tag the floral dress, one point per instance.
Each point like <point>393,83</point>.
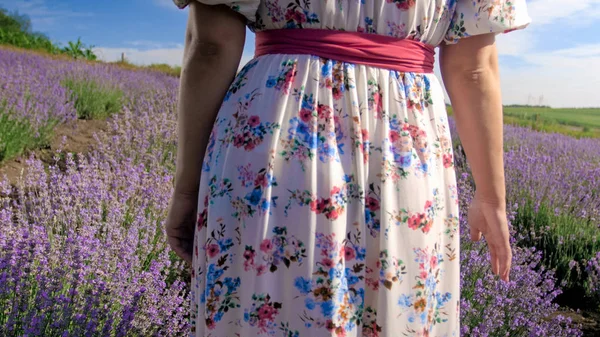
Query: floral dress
<point>328,201</point>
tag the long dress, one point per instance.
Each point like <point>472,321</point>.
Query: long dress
<point>328,199</point>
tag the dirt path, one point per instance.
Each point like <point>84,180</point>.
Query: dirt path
<point>79,138</point>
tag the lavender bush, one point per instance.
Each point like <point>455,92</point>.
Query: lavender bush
<point>82,247</point>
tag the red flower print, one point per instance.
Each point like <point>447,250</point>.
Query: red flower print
<point>313,205</point>
<point>212,250</point>
<point>266,312</point>
<point>250,146</point>
<point>238,141</point>
<point>413,222</point>
<point>253,121</point>
<point>206,201</point>
<point>394,136</point>
<point>365,135</point>
<point>349,253</point>
<point>427,226</point>
<point>372,203</point>
<point>266,245</point>
<point>305,115</point>
<point>322,205</point>
<point>249,255</point>
<point>405,4</point>
<point>299,17</point>
<point>334,214</point>
<point>360,29</point>
<point>447,158</point>
<point>428,204</point>
<point>202,219</point>
<point>261,180</point>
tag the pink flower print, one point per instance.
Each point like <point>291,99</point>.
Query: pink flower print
<point>212,250</point>
<point>447,159</point>
<point>428,204</point>
<point>335,190</point>
<point>394,136</point>
<point>266,245</point>
<point>433,261</point>
<point>324,111</point>
<point>261,269</point>
<point>423,273</point>
<point>327,262</point>
<point>349,253</point>
<point>305,115</point>
<point>360,29</point>
<point>253,121</point>
<point>313,205</point>
<point>372,203</point>
<point>377,102</point>
<point>365,135</point>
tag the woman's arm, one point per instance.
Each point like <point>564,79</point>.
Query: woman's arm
<point>213,48</point>
<point>214,42</point>
<point>470,72</point>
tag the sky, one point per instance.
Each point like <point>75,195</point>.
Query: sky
<point>555,61</point>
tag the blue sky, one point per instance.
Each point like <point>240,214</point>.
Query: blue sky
<point>557,58</point>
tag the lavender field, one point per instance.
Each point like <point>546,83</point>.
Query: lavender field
<point>82,244</point>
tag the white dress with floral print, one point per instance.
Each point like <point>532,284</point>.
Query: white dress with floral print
<point>328,202</point>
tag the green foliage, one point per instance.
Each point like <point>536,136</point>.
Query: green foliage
<point>92,100</point>
<point>575,122</point>
<point>18,136</point>
<point>78,50</point>
<point>561,237</point>
<point>15,30</point>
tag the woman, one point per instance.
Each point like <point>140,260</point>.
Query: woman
<point>315,192</point>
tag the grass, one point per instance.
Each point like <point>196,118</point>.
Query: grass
<point>574,122</point>
<point>562,238</point>
<point>18,136</point>
<point>93,101</point>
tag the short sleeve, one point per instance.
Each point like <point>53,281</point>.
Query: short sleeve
<point>247,8</point>
<point>474,17</point>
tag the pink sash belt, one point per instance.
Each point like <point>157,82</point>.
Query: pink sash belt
<point>375,50</point>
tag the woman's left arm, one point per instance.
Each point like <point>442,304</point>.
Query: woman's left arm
<point>214,42</point>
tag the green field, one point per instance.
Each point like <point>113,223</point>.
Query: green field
<point>576,122</point>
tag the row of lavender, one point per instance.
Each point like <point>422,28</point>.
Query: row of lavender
<point>82,249</point>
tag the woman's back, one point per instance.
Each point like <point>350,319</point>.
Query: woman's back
<point>328,200</point>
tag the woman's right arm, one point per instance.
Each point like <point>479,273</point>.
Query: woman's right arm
<point>471,77</point>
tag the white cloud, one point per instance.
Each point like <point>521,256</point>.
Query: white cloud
<point>567,77</point>
<point>547,11</point>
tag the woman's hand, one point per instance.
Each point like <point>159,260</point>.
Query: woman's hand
<point>181,222</point>
<point>489,218</point>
